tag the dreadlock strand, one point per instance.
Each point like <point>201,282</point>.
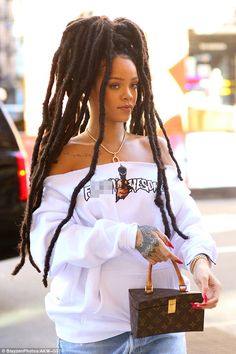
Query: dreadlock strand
<point>157,158</point>
<point>85,180</point>
<point>70,106</point>
<point>64,221</point>
<point>70,211</point>
<point>85,121</point>
<point>39,173</point>
<point>36,148</point>
<point>151,127</point>
<point>45,112</point>
<point>23,256</point>
<point>59,136</point>
<point>168,207</point>
<point>169,145</point>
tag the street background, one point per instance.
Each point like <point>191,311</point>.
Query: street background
<point>24,324</point>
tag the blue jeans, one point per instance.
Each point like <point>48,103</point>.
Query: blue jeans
<point>173,343</point>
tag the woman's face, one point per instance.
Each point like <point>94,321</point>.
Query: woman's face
<point>121,91</point>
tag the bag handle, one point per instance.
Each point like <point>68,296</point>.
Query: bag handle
<point>149,285</point>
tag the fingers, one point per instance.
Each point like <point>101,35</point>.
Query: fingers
<point>164,238</point>
<point>164,254</point>
<point>209,304</point>
<point>170,255</point>
<point>210,287</point>
<point>212,294</point>
<point>154,245</point>
<point>176,259</point>
<point>210,300</point>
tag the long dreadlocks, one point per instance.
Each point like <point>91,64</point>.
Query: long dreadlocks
<point>85,43</point>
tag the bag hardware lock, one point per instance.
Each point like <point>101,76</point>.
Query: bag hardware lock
<point>172,306</point>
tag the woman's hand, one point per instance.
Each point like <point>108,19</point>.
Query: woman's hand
<point>208,284</point>
<point>153,245</point>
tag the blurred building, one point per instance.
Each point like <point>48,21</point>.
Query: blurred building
<point>11,74</point>
<point>210,127</point>
<point>7,50</point>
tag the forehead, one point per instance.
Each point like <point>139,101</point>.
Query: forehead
<point>121,67</point>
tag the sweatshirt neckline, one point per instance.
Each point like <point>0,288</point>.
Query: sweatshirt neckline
<point>151,164</point>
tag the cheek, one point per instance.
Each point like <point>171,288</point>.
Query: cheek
<point>110,99</point>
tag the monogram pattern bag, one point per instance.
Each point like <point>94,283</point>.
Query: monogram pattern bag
<point>158,311</point>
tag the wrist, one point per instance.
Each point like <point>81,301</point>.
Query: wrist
<point>197,259</point>
<point>139,238</point>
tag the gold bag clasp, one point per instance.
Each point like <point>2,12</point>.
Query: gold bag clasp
<point>171,306</point>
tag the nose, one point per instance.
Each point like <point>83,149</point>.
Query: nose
<point>127,94</point>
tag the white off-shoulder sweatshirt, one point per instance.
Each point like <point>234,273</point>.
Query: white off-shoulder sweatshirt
<point>94,261</point>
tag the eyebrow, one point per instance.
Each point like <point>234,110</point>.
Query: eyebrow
<point>119,78</point>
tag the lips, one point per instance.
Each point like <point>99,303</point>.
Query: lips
<point>126,108</point>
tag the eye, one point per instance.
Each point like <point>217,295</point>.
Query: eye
<point>135,85</point>
<point>114,86</point>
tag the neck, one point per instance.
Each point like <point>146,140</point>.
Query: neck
<point>113,133</point>
<point>111,150</point>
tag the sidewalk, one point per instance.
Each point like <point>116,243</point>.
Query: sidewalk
<point>211,341</point>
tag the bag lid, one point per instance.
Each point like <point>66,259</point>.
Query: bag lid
<point>139,299</point>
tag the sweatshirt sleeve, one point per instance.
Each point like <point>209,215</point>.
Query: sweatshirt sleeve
<point>189,221</point>
<point>82,246</point>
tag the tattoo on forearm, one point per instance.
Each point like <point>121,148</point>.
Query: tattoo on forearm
<point>149,243</point>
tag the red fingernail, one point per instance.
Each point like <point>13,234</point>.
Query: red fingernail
<point>205,298</point>
<point>169,244</point>
<point>179,261</point>
<point>195,305</point>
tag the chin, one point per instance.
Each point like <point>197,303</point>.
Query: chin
<point>119,119</point>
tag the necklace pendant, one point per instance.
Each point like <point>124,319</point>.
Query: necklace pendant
<point>115,158</point>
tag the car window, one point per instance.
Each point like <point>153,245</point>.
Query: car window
<point>7,139</point>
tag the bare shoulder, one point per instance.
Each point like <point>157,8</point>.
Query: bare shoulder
<point>74,155</point>
<point>166,158</point>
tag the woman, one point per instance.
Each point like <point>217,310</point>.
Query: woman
<point>106,200</point>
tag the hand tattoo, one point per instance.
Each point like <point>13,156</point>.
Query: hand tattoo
<point>149,243</point>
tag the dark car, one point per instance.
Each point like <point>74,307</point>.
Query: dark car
<point>13,185</point>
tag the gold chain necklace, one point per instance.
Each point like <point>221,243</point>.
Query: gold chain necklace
<point>115,158</point>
